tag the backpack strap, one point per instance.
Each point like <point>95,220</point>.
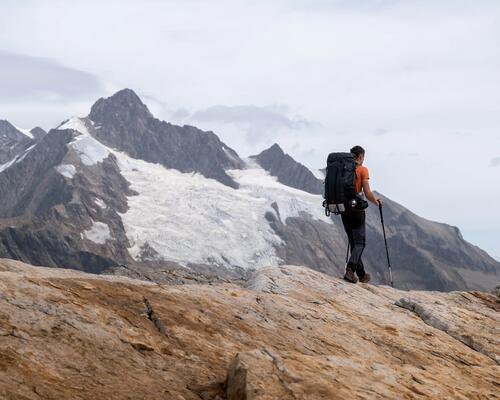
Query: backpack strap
<point>339,181</point>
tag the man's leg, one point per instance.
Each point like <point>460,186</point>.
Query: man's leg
<point>348,220</point>
<point>358,241</point>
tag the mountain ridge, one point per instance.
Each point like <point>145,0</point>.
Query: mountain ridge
<point>125,123</point>
<point>287,170</point>
<point>12,142</point>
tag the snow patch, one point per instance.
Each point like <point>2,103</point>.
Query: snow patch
<point>66,170</point>
<point>8,164</point>
<point>318,173</point>
<point>229,154</point>
<point>100,203</point>
<point>188,218</point>
<point>76,124</point>
<point>98,233</point>
<point>89,149</point>
<point>26,132</point>
<point>25,153</point>
<point>258,183</point>
<point>16,159</point>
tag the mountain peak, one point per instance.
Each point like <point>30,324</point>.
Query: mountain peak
<point>38,132</point>
<point>287,170</point>
<point>275,148</point>
<point>6,128</point>
<point>123,105</point>
<point>123,122</point>
<point>128,95</point>
<point>10,133</point>
<point>12,141</point>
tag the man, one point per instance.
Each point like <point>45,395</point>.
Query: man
<point>355,221</point>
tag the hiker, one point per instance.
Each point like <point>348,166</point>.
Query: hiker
<point>354,220</point>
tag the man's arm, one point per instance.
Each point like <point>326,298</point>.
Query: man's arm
<point>369,194</point>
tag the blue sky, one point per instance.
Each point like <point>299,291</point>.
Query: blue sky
<point>417,83</point>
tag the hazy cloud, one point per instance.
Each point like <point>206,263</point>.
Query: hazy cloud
<point>495,161</point>
<point>264,116</point>
<point>32,78</point>
<point>258,123</point>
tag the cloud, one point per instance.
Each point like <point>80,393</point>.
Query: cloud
<point>29,78</point>
<point>265,116</point>
<point>258,123</point>
<point>495,161</point>
<point>40,91</point>
<point>381,131</point>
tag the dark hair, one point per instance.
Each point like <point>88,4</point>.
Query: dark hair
<point>357,150</point>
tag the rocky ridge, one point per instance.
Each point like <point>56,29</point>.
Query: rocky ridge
<point>47,207</point>
<point>290,333</point>
<point>12,142</point>
<point>288,171</point>
<point>124,122</point>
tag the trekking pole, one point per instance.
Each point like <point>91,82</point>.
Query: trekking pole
<point>385,241</point>
<point>347,255</point>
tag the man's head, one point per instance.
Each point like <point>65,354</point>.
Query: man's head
<point>359,153</point>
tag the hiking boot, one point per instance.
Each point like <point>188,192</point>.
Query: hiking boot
<point>364,277</point>
<point>350,276</point>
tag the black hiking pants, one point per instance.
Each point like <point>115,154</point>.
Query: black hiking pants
<point>355,227</point>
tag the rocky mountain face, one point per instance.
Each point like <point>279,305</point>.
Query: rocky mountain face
<point>288,171</point>
<point>435,255</point>
<point>125,123</point>
<point>37,133</point>
<point>12,142</point>
<point>49,210</point>
<point>121,192</point>
<point>28,185</point>
<point>288,333</point>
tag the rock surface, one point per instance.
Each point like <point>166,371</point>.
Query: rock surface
<point>38,132</point>
<point>290,333</point>
<point>12,142</point>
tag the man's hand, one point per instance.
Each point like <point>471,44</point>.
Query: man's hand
<point>369,194</point>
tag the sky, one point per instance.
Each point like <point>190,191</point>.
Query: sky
<point>415,82</point>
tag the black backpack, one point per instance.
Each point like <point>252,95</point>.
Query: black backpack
<point>340,193</point>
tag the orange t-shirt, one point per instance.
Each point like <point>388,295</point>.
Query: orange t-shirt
<point>361,174</point>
